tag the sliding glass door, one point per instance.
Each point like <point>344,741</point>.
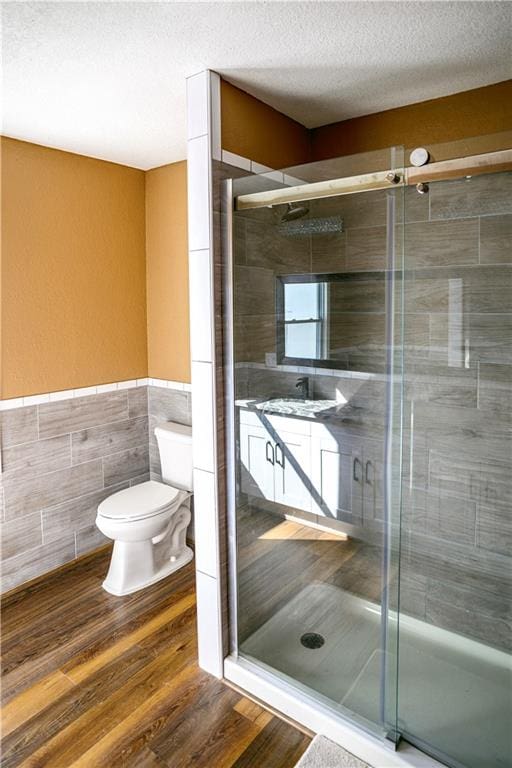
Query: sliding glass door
<point>455,686</point>
<point>317,379</point>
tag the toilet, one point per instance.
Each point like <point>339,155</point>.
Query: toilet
<point>148,522</point>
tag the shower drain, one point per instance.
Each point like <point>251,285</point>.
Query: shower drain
<point>312,640</point>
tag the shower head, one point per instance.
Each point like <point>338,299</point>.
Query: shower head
<point>294,212</point>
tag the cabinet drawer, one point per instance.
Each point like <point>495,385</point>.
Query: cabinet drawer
<point>278,423</point>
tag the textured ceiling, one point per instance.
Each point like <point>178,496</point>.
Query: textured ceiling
<point>108,79</point>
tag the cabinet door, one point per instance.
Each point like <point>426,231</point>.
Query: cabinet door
<point>293,470</point>
<point>337,477</point>
<point>373,506</point>
<point>257,454</point>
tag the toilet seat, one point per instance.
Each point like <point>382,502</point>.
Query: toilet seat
<point>141,501</point>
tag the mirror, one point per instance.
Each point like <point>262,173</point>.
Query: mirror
<point>334,320</point>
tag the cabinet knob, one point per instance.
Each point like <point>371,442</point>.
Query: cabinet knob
<point>279,447</point>
<point>269,453</point>
<point>367,471</point>
<point>354,469</point>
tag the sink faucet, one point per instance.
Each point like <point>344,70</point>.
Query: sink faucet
<point>303,386</point>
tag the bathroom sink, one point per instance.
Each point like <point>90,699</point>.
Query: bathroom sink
<point>295,406</point>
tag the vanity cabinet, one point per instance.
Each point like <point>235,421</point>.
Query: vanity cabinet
<point>337,475</point>
<point>373,481</point>
<point>276,465</point>
<point>314,467</point>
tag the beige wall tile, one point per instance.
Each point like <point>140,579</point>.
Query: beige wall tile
<point>496,239</point>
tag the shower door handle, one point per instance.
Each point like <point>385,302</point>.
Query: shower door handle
<point>280,448</point>
<point>270,456</point>
<point>354,469</point>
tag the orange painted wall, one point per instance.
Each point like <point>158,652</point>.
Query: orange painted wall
<point>464,115</point>
<point>73,271</point>
<point>251,128</point>
<point>167,273</point>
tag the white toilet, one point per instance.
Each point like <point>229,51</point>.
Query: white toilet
<point>148,522</point>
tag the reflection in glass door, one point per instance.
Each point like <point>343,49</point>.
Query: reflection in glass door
<point>455,683</point>
<point>317,294</point>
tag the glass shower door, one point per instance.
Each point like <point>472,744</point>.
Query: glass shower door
<point>317,373</point>
<point>455,686</point>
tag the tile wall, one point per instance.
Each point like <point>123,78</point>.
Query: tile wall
<point>456,565</point>
<point>62,454</point>
<point>457,524</point>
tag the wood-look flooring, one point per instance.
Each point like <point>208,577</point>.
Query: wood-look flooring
<point>96,681</point>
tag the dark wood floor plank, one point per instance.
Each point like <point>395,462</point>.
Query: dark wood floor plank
<point>278,745</point>
<point>70,706</point>
<point>105,713</point>
<point>208,731</point>
<point>101,682</point>
<point>51,644</point>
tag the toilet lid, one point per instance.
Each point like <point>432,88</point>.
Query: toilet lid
<point>139,501</point>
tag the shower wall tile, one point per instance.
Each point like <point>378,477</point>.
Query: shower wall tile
<point>494,529</point>
<point>266,248</point>
<point>457,439</point>
<point>442,243</point>
<point>361,210</point>
<point>412,206</point>
<point>491,337</point>
<point>438,515</point>
<point>255,335</point>
<point>430,382</point>
<point>472,623</point>
<point>328,252</point>
<point>496,239</point>
<point>356,296</point>
<point>495,387</point>
<point>366,249</point>
<point>485,338</point>
<point>254,291</point>
<point>50,502</point>
<point>477,196</point>
<point>496,606</point>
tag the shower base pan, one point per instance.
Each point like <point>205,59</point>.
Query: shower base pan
<point>328,642</point>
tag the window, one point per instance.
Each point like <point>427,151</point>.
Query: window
<point>304,316</point>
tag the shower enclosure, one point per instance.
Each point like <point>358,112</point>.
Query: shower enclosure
<point>369,380</point>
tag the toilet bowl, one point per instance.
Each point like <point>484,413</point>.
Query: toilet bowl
<point>148,522</point>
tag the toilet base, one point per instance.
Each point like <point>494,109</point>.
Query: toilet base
<point>117,584</point>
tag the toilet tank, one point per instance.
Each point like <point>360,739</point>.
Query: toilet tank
<point>175,448</point>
